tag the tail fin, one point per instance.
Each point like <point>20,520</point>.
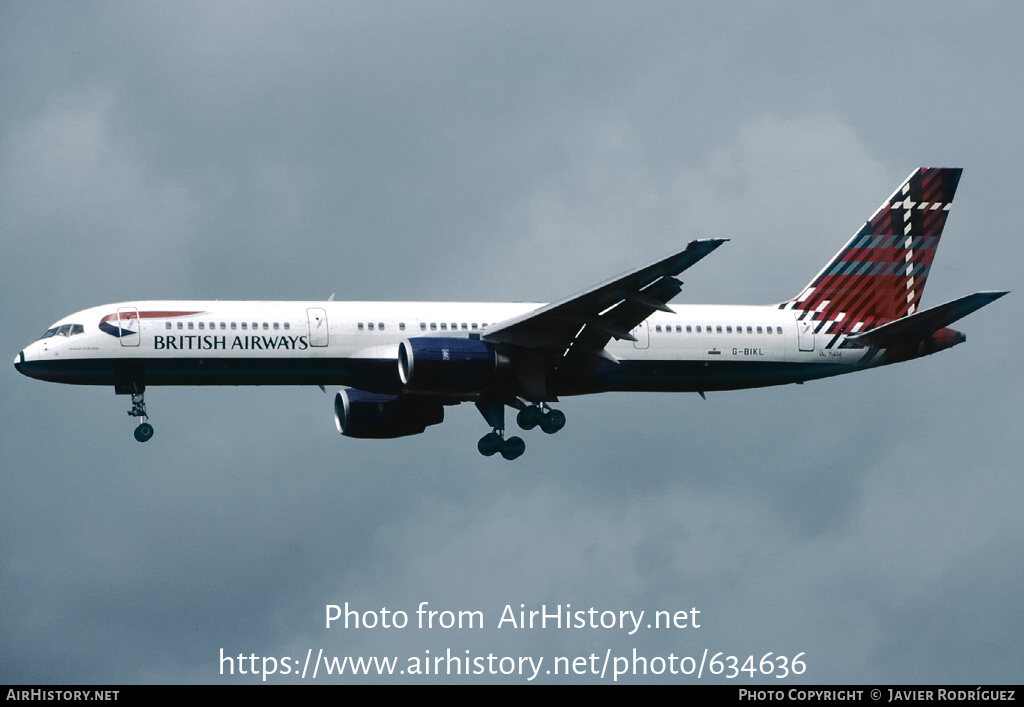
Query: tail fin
<point>880,274</point>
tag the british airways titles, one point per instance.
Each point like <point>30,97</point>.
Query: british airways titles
<point>208,342</point>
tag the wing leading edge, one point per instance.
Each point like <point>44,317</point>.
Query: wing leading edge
<point>585,322</point>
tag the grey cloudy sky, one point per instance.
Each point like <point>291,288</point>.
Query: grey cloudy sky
<point>495,151</point>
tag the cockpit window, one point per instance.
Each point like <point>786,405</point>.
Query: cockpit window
<point>64,330</point>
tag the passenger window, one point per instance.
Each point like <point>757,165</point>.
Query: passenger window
<point>423,326</point>
<point>380,326</point>
<point>728,329</point>
<point>276,326</point>
<point>759,330</point>
<point>265,326</point>
<point>718,329</point>
<point>473,325</point>
<point>233,326</point>
<point>191,325</point>
<point>433,326</point>
<point>749,330</point>
<point>401,326</point>
<point>778,330</point>
<point>370,326</point>
<point>658,328</point>
<point>245,326</point>
<point>689,329</point>
<point>287,326</point>
<point>167,325</point>
<point>201,325</point>
<point>465,326</point>
<point>444,326</point>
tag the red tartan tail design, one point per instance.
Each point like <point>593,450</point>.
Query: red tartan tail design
<point>880,274</point>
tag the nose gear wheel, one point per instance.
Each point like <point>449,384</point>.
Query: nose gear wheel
<point>144,432</point>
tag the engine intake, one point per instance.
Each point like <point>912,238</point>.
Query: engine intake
<point>358,413</point>
<point>450,365</point>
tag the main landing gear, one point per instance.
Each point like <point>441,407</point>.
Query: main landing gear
<point>144,432</point>
<point>530,416</point>
<point>494,442</point>
<point>549,419</point>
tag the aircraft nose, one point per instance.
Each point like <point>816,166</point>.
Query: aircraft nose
<point>18,360</point>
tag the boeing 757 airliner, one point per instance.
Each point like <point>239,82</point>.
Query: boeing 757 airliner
<point>401,363</point>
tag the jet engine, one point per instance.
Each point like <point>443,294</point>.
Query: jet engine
<point>450,365</point>
<point>358,413</point>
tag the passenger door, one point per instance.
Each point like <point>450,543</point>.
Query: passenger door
<point>318,330</point>
<point>805,334</point>
<point>642,334</point>
<point>128,323</point>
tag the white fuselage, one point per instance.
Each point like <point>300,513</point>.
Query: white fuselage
<point>343,343</point>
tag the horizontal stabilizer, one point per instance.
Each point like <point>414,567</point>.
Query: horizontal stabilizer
<point>924,323</point>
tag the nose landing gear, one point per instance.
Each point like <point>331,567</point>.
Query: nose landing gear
<point>144,432</point>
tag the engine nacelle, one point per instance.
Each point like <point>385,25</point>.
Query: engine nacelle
<point>375,416</point>
<point>450,365</point>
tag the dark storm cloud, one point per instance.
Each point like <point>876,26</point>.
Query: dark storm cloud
<point>486,152</point>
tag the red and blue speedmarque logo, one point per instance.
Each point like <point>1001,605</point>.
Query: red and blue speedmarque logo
<point>110,323</point>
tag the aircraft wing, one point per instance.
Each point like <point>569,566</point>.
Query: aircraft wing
<point>586,321</point>
<point>923,323</point>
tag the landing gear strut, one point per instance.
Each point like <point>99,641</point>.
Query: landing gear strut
<point>144,432</point>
